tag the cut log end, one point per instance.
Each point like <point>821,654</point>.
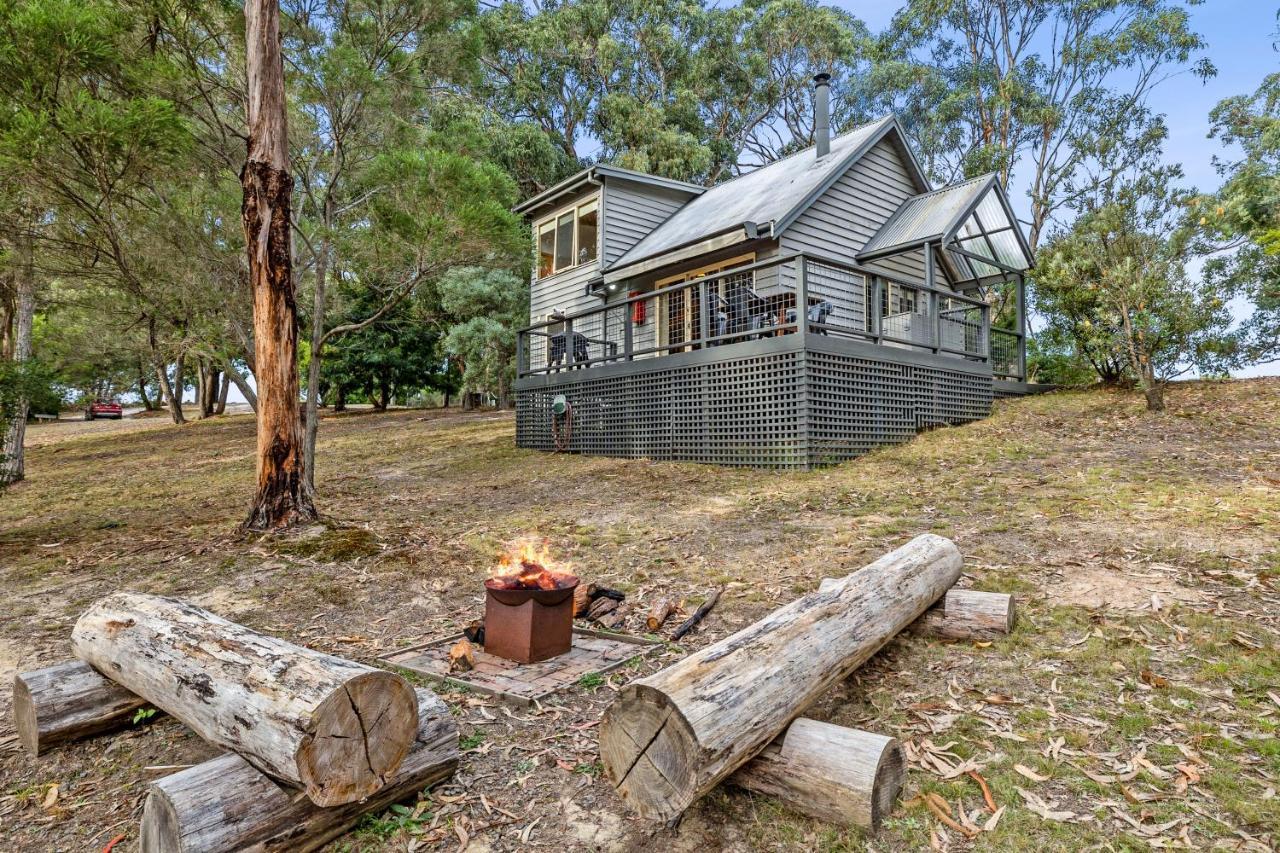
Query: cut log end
<point>359,736</point>
<point>649,753</point>
<point>891,774</point>
<point>161,827</point>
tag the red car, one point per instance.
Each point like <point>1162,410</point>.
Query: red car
<point>103,409</point>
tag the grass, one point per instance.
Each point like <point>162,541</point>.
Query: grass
<point>1143,551</point>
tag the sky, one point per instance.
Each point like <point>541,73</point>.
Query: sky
<point>1239,35</point>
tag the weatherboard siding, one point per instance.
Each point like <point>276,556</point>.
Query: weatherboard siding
<point>632,210</point>
<point>565,291</point>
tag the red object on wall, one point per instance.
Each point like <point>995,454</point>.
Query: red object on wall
<point>637,309</point>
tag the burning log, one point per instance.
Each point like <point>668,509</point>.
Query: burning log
<point>225,804</point>
<point>832,773</point>
<point>68,701</point>
<point>659,613</point>
<point>335,727</point>
<point>669,738</point>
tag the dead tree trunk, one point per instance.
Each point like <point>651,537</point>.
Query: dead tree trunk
<point>835,774</point>
<point>340,729</point>
<point>12,452</point>
<point>669,738</point>
<point>225,804</point>
<point>283,496</point>
<point>68,701</point>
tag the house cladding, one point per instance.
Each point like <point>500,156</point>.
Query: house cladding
<point>645,376</point>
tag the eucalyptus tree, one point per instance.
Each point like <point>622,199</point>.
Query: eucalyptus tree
<point>1053,92</point>
<point>1121,271</point>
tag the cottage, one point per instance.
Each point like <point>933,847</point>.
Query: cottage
<point>798,315</point>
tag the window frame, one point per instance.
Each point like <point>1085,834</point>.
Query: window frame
<point>551,221</point>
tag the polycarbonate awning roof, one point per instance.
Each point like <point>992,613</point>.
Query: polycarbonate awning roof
<point>972,222</point>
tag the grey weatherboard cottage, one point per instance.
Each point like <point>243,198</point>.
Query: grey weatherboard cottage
<point>666,319</point>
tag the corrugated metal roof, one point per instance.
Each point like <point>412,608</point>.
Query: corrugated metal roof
<point>925,217</point>
<point>767,194</point>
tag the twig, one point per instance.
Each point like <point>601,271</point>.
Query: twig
<point>690,623</point>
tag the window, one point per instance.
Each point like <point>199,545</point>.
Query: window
<point>568,240</point>
<point>588,228</point>
<point>546,249</point>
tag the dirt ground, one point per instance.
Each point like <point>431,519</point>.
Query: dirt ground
<point>1135,706</point>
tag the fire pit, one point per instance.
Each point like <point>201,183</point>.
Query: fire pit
<point>528,611</point>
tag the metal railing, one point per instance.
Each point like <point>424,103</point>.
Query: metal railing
<point>756,301</point>
<point>1008,355</point>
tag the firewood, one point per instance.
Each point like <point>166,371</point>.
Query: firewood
<point>462,656</point>
<point>600,607</point>
<point>475,632</point>
<point>608,592</point>
<point>582,598</point>
<point>226,804</point>
<point>337,728</point>
<point>68,701</point>
<point>658,613</point>
<point>670,737</point>
<point>692,622</point>
<point>963,614</point>
<point>616,615</point>
<point>832,773</point>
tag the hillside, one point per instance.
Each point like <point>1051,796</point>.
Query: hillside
<point>1138,694</point>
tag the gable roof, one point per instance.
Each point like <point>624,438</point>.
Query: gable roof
<point>592,175</point>
<point>972,220</point>
<point>765,199</point>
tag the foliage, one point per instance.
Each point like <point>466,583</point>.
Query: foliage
<point>488,307</point>
<point>1242,221</point>
<point>1056,88</point>
<point>1116,284</point>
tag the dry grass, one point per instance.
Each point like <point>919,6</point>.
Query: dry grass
<point>1143,681</point>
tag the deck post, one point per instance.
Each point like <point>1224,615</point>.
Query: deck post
<point>802,298</point>
<point>628,328</point>
<point>1020,323</point>
<point>522,357</point>
<point>704,313</point>
<point>934,317</point>
<point>877,318</point>
<point>568,343</point>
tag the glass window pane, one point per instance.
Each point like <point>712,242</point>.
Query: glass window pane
<point>564,241</point>
<point>546,249</point>
<point>588,230</point>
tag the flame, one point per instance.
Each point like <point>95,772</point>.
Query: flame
<point>529,565</point>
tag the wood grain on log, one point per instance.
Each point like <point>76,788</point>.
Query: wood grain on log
<point>832,773</point>
<point>68,701</point>
<point>659,613</point>
<point>963,614</point>
<point>669,738</point>
<point>226,804</point>
<point>335,727</point>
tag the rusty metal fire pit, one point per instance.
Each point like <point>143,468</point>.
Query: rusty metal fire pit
<point>528,625</point>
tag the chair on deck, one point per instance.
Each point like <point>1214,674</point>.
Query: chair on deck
<point>559,349</point>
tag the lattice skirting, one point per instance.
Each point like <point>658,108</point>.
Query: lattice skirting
<point>777,408</point>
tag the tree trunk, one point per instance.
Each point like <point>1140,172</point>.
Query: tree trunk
<point>68,701</point>
<point>223,390</point>
<point>340,399</point>
<point>838,775</point>
<point>147,404</point>
<point>242,384</point>
<point>283,495</point>
<point>12,452</point>
<point>171,397</point>
<point>202,388</point>
<point>225,804</point>
<point>1152,390</point>
<point>338,728</point>
<point>669,738</point>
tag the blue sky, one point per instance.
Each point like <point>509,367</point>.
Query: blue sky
<point>1239,35</point>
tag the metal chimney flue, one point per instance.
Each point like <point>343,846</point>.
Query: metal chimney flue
<point>822,113</point>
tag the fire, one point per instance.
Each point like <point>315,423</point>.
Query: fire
<point>529,565</point>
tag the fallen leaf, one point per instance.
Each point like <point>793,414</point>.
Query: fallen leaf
<point>50,797</point>
<point>1149,677</point>
<point>1029,773</point>
<point>994,820</point>
<point>1042,808</point>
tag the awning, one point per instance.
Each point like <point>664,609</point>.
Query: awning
<point>972,222</point>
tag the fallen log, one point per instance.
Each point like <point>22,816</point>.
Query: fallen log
<point>68,701</point>
<point>692,622</point>
<point>337,728</point>
<point>832,773</point>
<point>226,804</point>
<point>963,614</point>
<point>669,738</point>
<point>658,613</point>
